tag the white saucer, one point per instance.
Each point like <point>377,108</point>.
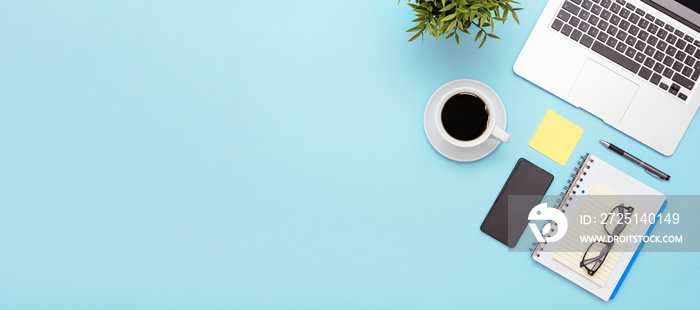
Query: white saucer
<point>449,150</point>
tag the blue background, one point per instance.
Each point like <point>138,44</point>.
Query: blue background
<point>271,155</point>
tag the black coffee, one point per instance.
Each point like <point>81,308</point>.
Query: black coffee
<point>465,117</point>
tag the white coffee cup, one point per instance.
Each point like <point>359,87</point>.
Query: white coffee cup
<point>491,132</point>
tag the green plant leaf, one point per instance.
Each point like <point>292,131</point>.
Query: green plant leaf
<point>415,36</point>
<point>452,25</point>
<point>416,28</point>
<point>482,42</point>
<point>448,7</point>
<point>467,25</point>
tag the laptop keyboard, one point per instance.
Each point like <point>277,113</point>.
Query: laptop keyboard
<point>636,40</point>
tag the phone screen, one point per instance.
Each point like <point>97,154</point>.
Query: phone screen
<point>526,179</point>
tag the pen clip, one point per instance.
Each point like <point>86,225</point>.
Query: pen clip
<point>653,175</point>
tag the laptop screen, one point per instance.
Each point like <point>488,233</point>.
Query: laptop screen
<point>693,5</point>
<point>689,10</point>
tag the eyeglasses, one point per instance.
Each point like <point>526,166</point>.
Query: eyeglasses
<point>614,225</point>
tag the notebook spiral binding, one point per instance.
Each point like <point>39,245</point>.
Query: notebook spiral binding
<point>579,175</point>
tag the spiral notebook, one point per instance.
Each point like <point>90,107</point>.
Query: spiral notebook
<point>594,187</point>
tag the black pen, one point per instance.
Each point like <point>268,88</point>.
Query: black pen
<point>648,168</point>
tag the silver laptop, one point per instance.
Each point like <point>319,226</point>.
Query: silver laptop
<point>633,63</point>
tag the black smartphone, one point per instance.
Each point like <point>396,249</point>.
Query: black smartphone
<point>507,223</point>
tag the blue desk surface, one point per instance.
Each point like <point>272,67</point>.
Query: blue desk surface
<point>271,155</point>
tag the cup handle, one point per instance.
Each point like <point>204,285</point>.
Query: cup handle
<point>499,134</point>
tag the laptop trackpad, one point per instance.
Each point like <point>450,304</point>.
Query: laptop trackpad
<point>604,92</point>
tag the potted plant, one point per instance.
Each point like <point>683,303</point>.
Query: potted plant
<point>448,17</point>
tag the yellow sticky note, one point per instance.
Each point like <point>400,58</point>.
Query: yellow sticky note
<point>556,137</point>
